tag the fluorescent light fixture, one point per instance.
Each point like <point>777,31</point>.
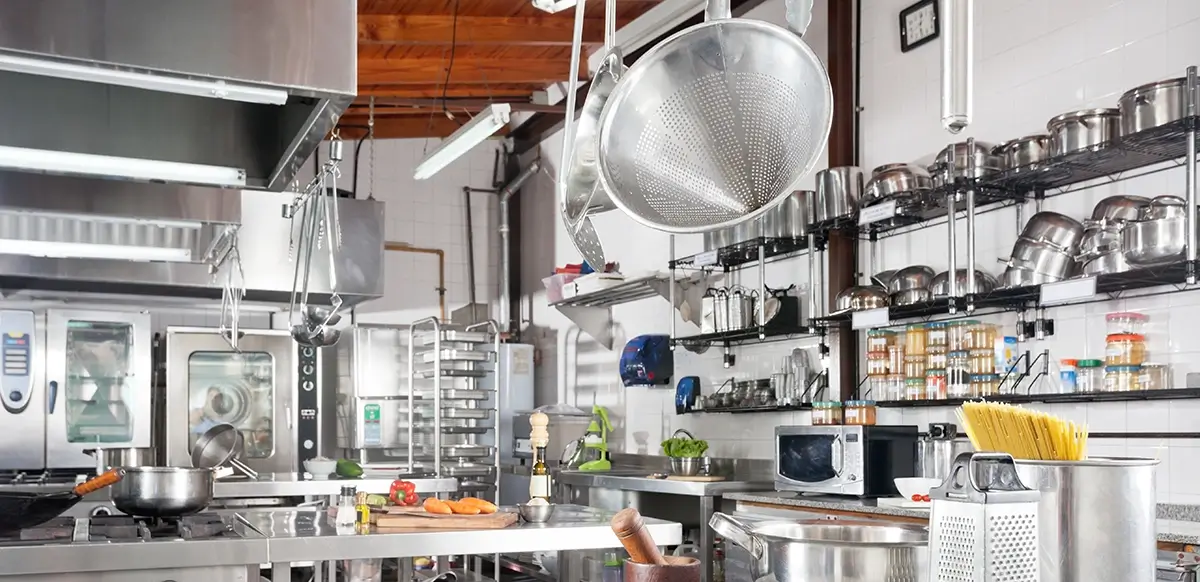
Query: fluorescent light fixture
<point>71,163</point>
<point>488,122</point>
<point>553,6</point>
<point>65,250</point>
<point>216,89</point>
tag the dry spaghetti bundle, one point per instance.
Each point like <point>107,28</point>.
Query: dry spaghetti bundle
<point>1022,433</point>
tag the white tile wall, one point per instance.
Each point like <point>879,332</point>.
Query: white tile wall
<point>1035,59</point>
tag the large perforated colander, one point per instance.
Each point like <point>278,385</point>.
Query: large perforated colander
<point>715,125</point>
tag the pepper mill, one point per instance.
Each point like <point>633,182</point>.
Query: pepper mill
<point>538,435</point>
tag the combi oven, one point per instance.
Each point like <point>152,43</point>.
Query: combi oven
<point>269,389</point>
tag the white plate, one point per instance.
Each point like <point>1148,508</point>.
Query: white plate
<point>902,503</point>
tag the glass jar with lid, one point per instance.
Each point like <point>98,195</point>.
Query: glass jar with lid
<point>935,335</point>
<point>914,367</point>
<point>1121,378</point>
<point>860,412</point>
<point>826,413</point>
<point>915,340</point>
<point>879,340</point>
<point>935,384</point>
<point>1154,377</point>
<point>935,357</point>
<point>914,388</point>
<point>982,361</point>
<point>958,334</point>
<point>1125,322</point>
<point>985,385</point>
<point>980,336</point>
<point>1125,349</point>
<point>958,374</point>
<point>877,363</point>
<point>896,359</point>
<point>1089,376</point>
<point>895,387</point>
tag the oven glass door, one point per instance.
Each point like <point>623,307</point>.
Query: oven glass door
<point>810,459</point>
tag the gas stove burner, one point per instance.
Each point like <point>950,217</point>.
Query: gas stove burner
<point>191,527</point>
<point>57,529</point>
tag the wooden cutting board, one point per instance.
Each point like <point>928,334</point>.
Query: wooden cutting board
<point>418,518</point>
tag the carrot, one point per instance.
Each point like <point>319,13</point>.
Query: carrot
<point>484,505</point>
<point>435,505</point>
<point>461,508</point>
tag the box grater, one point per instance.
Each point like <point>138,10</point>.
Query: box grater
<point>984,523</point>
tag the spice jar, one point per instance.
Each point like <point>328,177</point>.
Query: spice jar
<point>877,386</point>
<point>895,387</point>
<point>980,336</point>
<point>935,384</point>
<point>877,363</point>
<point>958,334</point>
<point>1154,377</point>
<point>914,340</point>
<point>1125,349</point>
<point>826,412</point>
<point>914,389</point>
<point>896,359</point>
<point>985,384</point>
<point>879,340</point>
<point>1125,322</point>
<point>982,361</point>
<point>859,412</point>
<point>1089,376</point>
<point>935,357</point>
<point>935,335</point>
<point>958,374</point>
<point>914,367</point>
<point>1121,378</point>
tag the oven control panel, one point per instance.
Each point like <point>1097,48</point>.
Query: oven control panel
<point>16,359</point>
<point>307,401</point>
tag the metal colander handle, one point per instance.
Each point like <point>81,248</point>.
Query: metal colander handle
<point>799,15</point>
<point>717,10</point>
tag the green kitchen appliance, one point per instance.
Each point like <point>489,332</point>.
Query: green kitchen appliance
<point>595,442</point>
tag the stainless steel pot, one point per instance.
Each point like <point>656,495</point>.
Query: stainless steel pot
<point>122,457</point>
<point>1107,263</point>
<point>1160,241</point>
<point>911,277</point>
<point>911,296</point>
<point>1152,105</point>
<point>747,230</point>
<point>719,238</point>
<point>893,180</point>
<point>1056,230</point>
<point>831,551</point>
<point>1022,153</point>
<point>838,192</point>
<point>1164,207</point>
<point>1095,518</point>
<point>937,449</point>
<point>954,161</point>
<point>1018,277</point>
<point>860,298</point>
<point>1083,129</point>
<point>1120,207</point>
<point>940,286</point>
<point>1100,238</point>
<point>790,218</point>
<point>163,491</point>
<point>882,278</point>
<point>1041,258</point>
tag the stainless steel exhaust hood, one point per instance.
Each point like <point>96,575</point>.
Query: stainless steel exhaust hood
<point>64,235</point>
<point>229,93</point>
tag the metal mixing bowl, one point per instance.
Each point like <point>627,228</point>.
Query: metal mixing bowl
<point>686,466</point>
<point>535,513</point>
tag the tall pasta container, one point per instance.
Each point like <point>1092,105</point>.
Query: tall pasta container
<point>1096,518</point>
<point>983,523</point>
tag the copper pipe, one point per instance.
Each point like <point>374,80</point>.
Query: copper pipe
<point>441,255</point>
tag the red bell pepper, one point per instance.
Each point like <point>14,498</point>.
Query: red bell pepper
<point>402,492</point>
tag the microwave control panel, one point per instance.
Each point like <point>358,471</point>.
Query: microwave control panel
<point>307,426</point>
<point>16,359</point>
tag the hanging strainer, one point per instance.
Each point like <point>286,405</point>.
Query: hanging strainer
<point>714,125</point>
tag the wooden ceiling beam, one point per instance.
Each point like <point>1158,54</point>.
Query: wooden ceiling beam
<point>434,91</point>
<point>411,29</point>
<point>465,71</point>
<point>402,106</point>
<point>416,126</point>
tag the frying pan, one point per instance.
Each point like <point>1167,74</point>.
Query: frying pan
<point>218,446</point>
<point>22,509</point>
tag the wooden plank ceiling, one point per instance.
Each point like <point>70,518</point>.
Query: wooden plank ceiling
<point>422,58</point>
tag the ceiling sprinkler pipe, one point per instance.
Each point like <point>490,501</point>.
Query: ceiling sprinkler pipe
<point>958,63</point>
<point>505,246</point>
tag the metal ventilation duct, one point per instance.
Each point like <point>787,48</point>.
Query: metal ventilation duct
<point>230,93</point>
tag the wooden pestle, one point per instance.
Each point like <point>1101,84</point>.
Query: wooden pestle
<point>631,530</point>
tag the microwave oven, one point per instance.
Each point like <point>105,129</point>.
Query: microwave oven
<point>844,460</point>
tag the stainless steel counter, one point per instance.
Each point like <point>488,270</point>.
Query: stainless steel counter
<point>628,481</point>
<point>290,485</point>
<point>307,535</point>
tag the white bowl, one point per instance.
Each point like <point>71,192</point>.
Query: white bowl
<point>320,470</point>
<point>909,486</point>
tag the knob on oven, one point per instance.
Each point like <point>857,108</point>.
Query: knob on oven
<point>101,511</point>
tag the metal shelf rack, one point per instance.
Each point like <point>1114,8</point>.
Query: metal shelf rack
<point>445,366</point>
<point>592,312</point>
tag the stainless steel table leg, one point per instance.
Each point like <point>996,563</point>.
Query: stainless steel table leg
<point>281,572</point>
<point>404,570</point>
<point>706,539</point>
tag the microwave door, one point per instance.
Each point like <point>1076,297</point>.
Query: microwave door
<point>810,459</point>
